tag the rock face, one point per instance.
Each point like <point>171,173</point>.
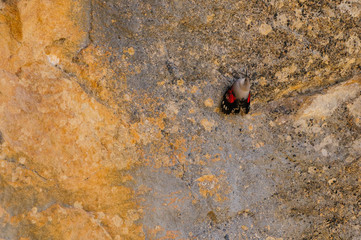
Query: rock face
<point>110,124</point>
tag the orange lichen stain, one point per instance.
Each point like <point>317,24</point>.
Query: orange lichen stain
<point>202,163</point>
<point>161,83</point>
<point>245,228</point>
<point>216,62</point>
<point>216,158</point>
<point>57,221</point>
<point>52,114</point>
<point>70,138</point>
<point>127,178</point>
<point>209,102</point>
<point>194,89</point>
<point>180,82</point>
<point>207,156</point>
<point>255,114</point>
<point>259,144</point>
<point>171,235</point>
<point>210,17</point>
<point>130,51</point>
<point>135,135</point>
<point>214,186</point>
<point>90,67</point>
<point>179,149</point>
<point>137,69</point>
<point>208,185</point>
<point>208,125</point>
<point>220,197</point>
<point>174,202</point>
<point>92,70</point>
<point>152,233</point>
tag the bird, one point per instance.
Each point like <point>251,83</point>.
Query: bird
<point>237,97</point>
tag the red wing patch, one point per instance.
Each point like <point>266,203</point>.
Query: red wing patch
<point>249,98</point>
<point>230,97</point>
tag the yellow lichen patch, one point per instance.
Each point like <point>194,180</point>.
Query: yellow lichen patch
<point>262,81</point>
<point>245,228</point>
<point>208,102</point>
<point>208,125</point>
<point>265,29</point>
<point>210,17</point>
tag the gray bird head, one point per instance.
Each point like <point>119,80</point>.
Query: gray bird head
<point>241,88</point>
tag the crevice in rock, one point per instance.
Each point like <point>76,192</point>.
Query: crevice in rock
<point>12,160</point>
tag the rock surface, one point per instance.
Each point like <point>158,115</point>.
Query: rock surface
<point>110,125</point>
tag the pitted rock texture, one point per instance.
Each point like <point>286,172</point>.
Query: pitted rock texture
<point>110,124</point>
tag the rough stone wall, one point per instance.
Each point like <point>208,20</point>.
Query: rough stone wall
<point>110,125</point>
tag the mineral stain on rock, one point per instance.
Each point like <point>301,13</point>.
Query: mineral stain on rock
<point>110,129</point>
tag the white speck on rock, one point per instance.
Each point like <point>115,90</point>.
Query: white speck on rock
<point>54,60</point>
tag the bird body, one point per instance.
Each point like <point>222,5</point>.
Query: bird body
<point>237,97</point>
